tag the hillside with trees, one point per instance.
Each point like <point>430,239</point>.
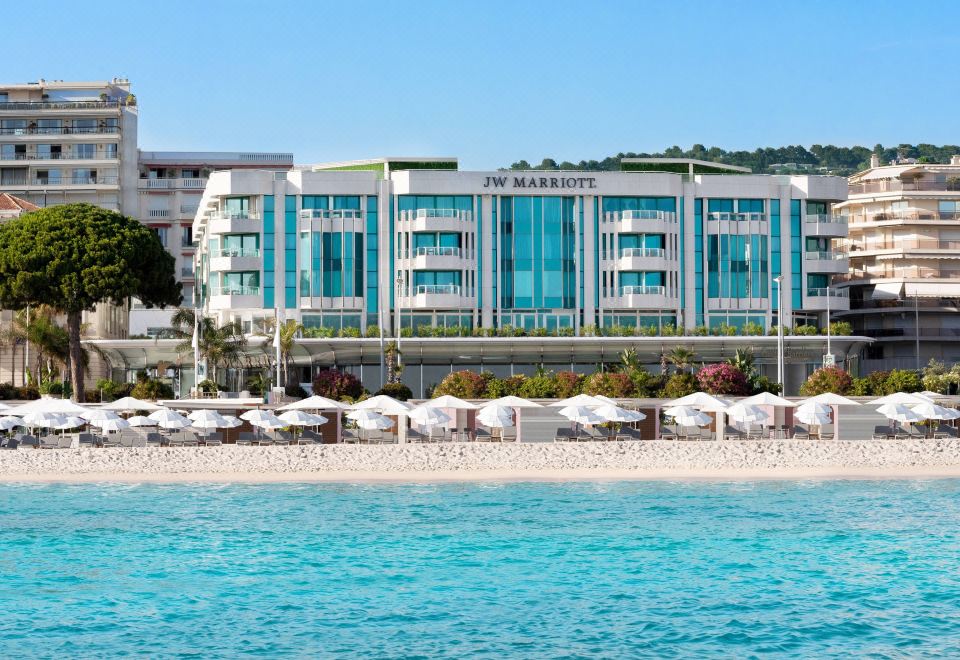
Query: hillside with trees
<point>818,159</point>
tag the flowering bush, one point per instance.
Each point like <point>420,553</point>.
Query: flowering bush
<point>337,385</point>
<point>827,379</point>
<point>723,379</point>
<point>463,384</point>
<point>568,384</point>
<point>613,385</point>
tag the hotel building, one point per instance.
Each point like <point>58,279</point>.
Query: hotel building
<point>414,243</point>
<point>904,279</point>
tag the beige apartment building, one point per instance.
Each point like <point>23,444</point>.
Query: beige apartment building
<point>904,246</point>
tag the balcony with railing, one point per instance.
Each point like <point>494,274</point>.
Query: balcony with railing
<point>235,259</point>
<point>819,299</point>
<point>640,297</point>
<point>437,258</point>
<point>56,182</point>
<point>226,222</point>
<point>41,131</point>
<point>230,296</point>
<point>825,224</point>
<point>435,296</point>
<point>827,261</point>
<point>436,220</point>
<point>58,155</point>
<point>31,106</point>
<point>172,184</point>
<point>643,258</point>
<point>949,184</point>
<point>638,222</point>
<point>331,214</point>
<point>892,246</point>
<point>724,216</point>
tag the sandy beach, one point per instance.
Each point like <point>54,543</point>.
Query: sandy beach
<point>474,462</point>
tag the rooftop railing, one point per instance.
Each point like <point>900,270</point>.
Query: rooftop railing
<point>643,252</point>
<point>58,105</point>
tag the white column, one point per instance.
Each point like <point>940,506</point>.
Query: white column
<point>688,259</point>
<point>590,255</point>
<point>485,261</point>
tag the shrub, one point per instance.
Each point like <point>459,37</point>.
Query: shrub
<point>903,380</point>
<point>463,384</point>
<point>295,391</point>
<point>28,392</point>
<point>860,387</point>
<point>8,391</point>
<point>724,330</point>
<point>337,385</point>
<point>352,333</point>
<point>752,329</point>
<point>804,330</point>
<point>373,331</point>
<point>723,379</point>
<point>679,385</point>
<point>827,379</point>
<point>111,391</point>
<point>877,383</point>
<point>701,331</point>
<point>763,384</point>
<point>613,385</point>
<point>540,386</point>
<point>568,384</point>
<point>565,332</point>
<point>498,387</point>
<point>398,391</point>
<point>151,388</point>
<point>208,386</point>
<point>841,329</point>
<point>645,384</point>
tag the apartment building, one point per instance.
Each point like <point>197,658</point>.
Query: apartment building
<point>169,187</point>
<point>904,279</point>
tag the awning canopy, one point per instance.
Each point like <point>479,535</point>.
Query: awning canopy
<point>894,172</point>
<point>887,291</point>
<point>925,290</point>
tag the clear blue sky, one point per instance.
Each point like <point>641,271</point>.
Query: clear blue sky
<point>493,82</point>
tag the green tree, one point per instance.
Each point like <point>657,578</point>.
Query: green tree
<point>681,358</point>
<point>221,345</point>
<point>76,256</point>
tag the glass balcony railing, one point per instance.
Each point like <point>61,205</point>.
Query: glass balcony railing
<point>436,251</point>
<point>236,252</point>
<point>824,292</point>
<point>438,213</point>
<point>437,289</point>
<point>663,216</point>
<point>58,155</point>
<point>331,214</point>
<point>235,215</point>
<point>643,252</point>
<point>643,290</point>
<point>231,290</point>
<point>61,130</point>
<point>826,219</point>
<point>737,217</point>
<point>826,256</point>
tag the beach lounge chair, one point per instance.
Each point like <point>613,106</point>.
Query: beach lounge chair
<point>282,438</point>
<point>309,437</point>
<point>800,433</point>
<point>733,433</point>
<point>88,440</point>
<point>564,434</point>
<point>666,433</point>
<point>49,442</point>
<point>213,440</point>
<point>482,435</point>
<point>175,440</point>
<point>349,436</point>
<point>882,432</point>
<point>946,431</point>
<point>508,434</point>
<point>414,435</point>
<point>154,439</point>
<point>110,440</point>
<point>65,442</point>
<point>12,443</point>
<point>246,438</point>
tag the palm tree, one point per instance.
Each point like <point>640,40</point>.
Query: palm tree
<point>743,360</point>
<point>681,357</point>
<point>221,346</point>
<point>289,331</point>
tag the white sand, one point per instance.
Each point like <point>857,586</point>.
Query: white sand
<point>469,462</point>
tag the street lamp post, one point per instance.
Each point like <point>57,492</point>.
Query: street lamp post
<point>778,281</point>
<point>399,312</point>
<point>829,352</point>
<point>916,321</point>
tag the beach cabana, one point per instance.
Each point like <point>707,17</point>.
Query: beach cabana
<point>517,404</point>
<point>834,401</point>
<point>706,403</point>
<point>370,420</point>
<point>427,417</point>
<point>687,416</point>
<point>388,406</point>
<point>496,416</point>
<point>461,412</point>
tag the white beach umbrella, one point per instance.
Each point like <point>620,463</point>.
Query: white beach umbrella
<point>44,420</point>
<point>10,422</point>
<point>429,416</point>
<point>99,414</point>
<point>301,418</point>
<point>370,420</point>
<point>814,407</point>
<point>746,413</point>
<point>108,425</point>
<point>813,417</point>
<point>933,396</point>
<point>140,420</point>
<point>55,406</point>
<point>899,412</point>
<point>383,404</point>
<point>900,398</point>
<point>232,422</point>
<point>613,413</point>
<point>933,411</point>
<point>581,415</point>
<point>268,423</point>
<point>257,415</point>
<point>605,399</point>
<point>447,401</point>
<point>71,422</point>
<point>207,419</point>
<point>688,416</point>
<point>315,402</point>
<point>767,399</point>
<point>130,404</point>
<point>169,419</point>
<point>831,399</point>
<point>582,400</point>
<point>701,401</point>
<point>513,402</point>
<point>495,415</point>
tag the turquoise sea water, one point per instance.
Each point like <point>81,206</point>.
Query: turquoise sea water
<point>486,570</point>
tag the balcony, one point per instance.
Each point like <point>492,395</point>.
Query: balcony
<point>187,273</point>
<point>827,262</point>
<point>41,132</point>
<point>890,247</point>
<point>231,259</point>
<point>172,184</point>
<point>817,300</point>
<point>158,213</point>
<point>437,258</point>
<point>632,259</point>
<point>234,223</point>
<point>235,297</point>
<point>60,182</point>
<point>639,222</point>
<point>451,220</point>
<point>33,106</point>
<point>898,185</point>
<point>58,156</point>
<point>720,216</point>
<point>436,296</point>
<point>822,224</point>
<point>886,271</point>
<point>642,297</point>
<point>331,214</point>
